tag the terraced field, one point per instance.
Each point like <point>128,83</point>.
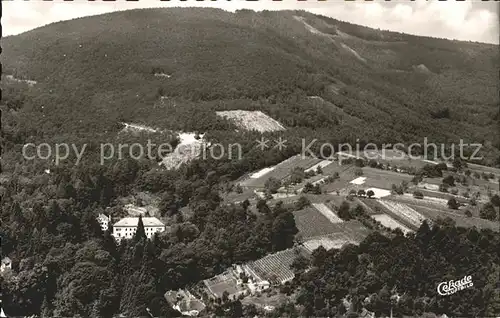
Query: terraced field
<point>404,212</point>
<point>275,268</point>
<point>389,222</point>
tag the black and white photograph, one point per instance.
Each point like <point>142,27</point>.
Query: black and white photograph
<point>290,158</point>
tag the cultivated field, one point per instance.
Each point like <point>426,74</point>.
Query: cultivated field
<point>404,212</point>
<point>394,158</point>
<point>428,186</point>
<point>326,212</point>
<point>328,242</point>
<point>346,175</point>
<point>389,222</point>
<point>374,207</point>
<point>379,193</point>
<point>275,268</point>
<point>383,179</point>
<point>479,168</point>
<point>354,230</point>
<point>311,223</point>
<point>280,171</point>
<point>457,215</point>
<point>408,198</point>
<point>321,164</point>
<point>441,197</point>
<point>251,120</point>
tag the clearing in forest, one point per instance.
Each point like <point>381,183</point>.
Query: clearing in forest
<point>189,148</point>
<point>251,120</point>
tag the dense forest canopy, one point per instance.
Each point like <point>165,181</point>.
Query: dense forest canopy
<point>171,69</point>
<point>97,71</point>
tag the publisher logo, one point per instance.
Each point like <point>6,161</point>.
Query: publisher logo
<point>451,287</point>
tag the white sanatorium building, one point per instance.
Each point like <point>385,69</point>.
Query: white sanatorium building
<point>126,227</point>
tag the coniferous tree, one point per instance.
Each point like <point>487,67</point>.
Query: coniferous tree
<point>140,233</point>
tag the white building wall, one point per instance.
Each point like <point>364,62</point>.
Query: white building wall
<point>122,232</point>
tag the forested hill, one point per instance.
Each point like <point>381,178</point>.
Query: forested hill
<point>376,85</point>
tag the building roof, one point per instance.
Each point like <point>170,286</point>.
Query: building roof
<point>133,221</point>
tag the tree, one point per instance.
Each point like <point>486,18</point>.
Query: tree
<point>344,213</point>
<point>453,204</point>
<point>370,193</point>
<point>473,201</point>
<point>459,164</point>
<point>359,163</point>
<point>272,185</point>
<point>352,193</point>
<point>239,189</point>
<point>245,204</point>
<point>488,212</point>
<point>418,195</point>
<point>319,170</point>
<point>358,172</point>
<point>297,174</point>
<point>310,188</point>
<point>468,213</point>
<point>449,180</point>
<point>495,200</point>
<point>302,202</point>
<point>169,204</point>
<point>361,192</point>
<point>443,187</point>
<point>140,233</point>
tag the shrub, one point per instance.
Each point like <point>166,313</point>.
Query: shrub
<point>488,212</point>
<point>453,204</point>
<point>418,195</point>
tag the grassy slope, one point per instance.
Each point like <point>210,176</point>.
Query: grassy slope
<point>93,72</point>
